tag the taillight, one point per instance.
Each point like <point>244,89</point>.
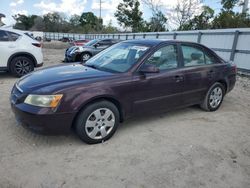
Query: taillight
<point>39,45</point>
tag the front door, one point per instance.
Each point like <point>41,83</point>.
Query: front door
<point>153,92</point>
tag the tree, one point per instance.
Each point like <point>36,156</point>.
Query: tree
<point>184,11</point>
<point>129,15</point>
<point>24,22</point>
<point>227,18</point>
<point>38,24</point>
<point>202,21</point>
<point>90,22</point>
<point>110,28</point>
<point>158,20</point>
<point>56,22</point>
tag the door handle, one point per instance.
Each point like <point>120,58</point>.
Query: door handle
<point>178,78</point>
<point>11,46</point>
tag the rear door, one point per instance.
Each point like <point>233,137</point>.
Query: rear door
<point>200,71</point>
<point>7,46</point>
<point>153,92</point>
<point>4,43</point>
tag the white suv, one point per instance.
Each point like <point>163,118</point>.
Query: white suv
<point>19,52</point>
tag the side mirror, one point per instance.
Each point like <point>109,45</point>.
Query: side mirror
<point>149,69</point>
<point>96,45</point>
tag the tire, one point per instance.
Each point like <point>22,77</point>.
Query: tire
<point>85,56</point>
<point>92,126</point>
<point>214,97</point>
<point>21,65</point>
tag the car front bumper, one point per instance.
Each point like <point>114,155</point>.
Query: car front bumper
<point>70,57</point>
<point>43,121</point>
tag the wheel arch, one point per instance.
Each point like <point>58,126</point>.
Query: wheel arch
<point>225,83</point>
<point>26,54</point>
<point>101,98</point>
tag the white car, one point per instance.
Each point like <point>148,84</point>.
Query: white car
<point>19,52</point>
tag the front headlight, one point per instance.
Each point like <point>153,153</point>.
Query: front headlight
<point>43,100</point>
<point>74,50</point>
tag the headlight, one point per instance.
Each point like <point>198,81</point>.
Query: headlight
<point>74,50</point>
<point>43,100</point>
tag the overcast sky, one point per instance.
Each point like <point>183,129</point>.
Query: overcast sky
<point>70,7</point>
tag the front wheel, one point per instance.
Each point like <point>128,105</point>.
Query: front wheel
<point>85,57</point>
<point>214,97</point>
<point>97,122</point>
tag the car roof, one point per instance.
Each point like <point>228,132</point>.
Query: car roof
<point>148,42</point>
<point>13,30</point>
<point>155,42</point>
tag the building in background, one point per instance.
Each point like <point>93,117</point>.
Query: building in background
<point>1,22</point>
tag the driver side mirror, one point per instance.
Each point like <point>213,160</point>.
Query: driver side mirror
<point>148,68</point>
<point>96,45</point>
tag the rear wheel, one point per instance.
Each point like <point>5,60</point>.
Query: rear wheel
<point>214,97</point>
<point>19,66</point>
<point>97,122</point>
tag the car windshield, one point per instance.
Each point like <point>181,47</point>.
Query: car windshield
<point>118,58</point>
<point>90,43</point>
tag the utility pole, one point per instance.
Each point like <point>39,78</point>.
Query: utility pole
<point>100,16</point>
<point>245,6</point>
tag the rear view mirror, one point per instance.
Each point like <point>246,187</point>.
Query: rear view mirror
<point>148,68</point>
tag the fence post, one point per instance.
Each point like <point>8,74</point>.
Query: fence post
<point>174,37</point>
<point>126,37</point>
<point>157,35</point>
<point>133,36</point>
<point>119,36</point>
<point>144,35</point>
<point>234,46</point>
<point>199,37</point>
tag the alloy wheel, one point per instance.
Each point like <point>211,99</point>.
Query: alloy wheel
<point>23,67</point>
<point>100,123</point>
<point>85,57</point>
<point>215,97</point>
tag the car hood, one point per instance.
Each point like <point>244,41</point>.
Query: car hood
<point>59,75</point>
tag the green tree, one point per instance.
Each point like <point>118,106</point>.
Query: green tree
<point>90,22</point>
<point>129,15</point>
<point>227,18</point>
<point>110,28</point>
<point>24,22</point>
<point>157,22</point>
<point>202,21</point>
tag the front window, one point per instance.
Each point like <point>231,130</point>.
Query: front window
<point>118,58</point>
<point>164,58</point>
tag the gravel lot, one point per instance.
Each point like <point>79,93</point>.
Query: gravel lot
<point>183,148</point>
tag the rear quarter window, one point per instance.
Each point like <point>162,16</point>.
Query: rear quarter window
<point>13,36</point>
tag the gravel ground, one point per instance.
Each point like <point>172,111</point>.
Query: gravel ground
<point>183,148</point>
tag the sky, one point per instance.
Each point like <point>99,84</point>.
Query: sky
<point>70,7</point>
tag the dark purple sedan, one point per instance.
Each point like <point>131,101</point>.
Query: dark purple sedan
<point>131,78</point>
